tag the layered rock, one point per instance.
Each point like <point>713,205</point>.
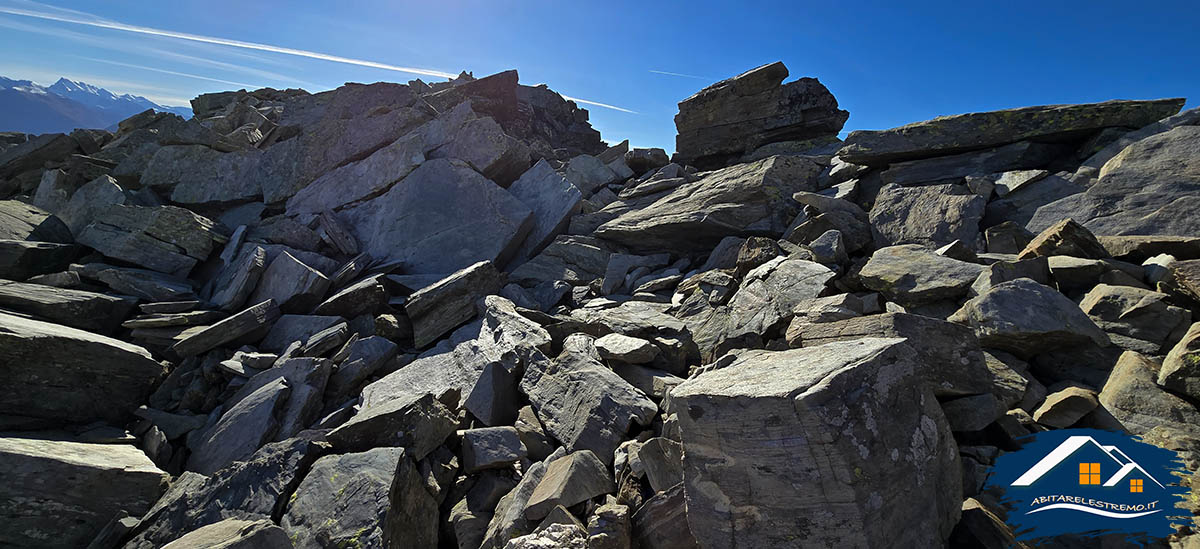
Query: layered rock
<point>736,116</point>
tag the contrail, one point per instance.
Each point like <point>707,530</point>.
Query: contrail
<point>112,25</point>
<point>585,101</point>
<point>681,74</point>
<point>222,42</point>
<point>164,71</point>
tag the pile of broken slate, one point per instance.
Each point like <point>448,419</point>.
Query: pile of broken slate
<point>449,315</point>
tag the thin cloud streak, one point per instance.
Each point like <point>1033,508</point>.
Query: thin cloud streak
<point>681,75</point>
<point>586,102</point>
<point>90,20</point>
<point>112,25</point>
<point>175,73</point>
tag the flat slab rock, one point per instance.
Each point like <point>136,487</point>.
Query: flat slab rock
<point>441,307</point>
<point>56,372</point>
<point>810,444</point>
<point>76,308</point>
<point>60,493</point>
<point>953,134</point>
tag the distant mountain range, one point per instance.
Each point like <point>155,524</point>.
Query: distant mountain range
<point>31,108</point>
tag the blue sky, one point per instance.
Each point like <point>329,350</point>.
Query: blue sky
<point>888,63</point>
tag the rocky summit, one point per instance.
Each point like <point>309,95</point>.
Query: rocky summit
<point>449,315</point>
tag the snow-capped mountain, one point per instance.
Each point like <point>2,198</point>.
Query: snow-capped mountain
<point>28,107</point>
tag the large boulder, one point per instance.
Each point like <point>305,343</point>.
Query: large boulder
<point>1026,318</point>
<point>743,200</point>
<point>735,116</point>
<point>235,534</point>
<point>444,216</point>
<point>913,275</point>
<point>60,373</point>
<point>843,432</point>
<point>164,238</point>
<point>1150,188</point>
<point>933,215</point>
<point>583,404</point>
<point>965,132</point>
<point>101,313</point>
<point>60,493</point>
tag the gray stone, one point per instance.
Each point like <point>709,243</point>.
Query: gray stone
<point>588,174</point>
<point>619,266</point>
<point>253,320</point>
<point>364,358</point>
<point>437,309</point>
<point>742,200</point>
<point>644,160</point>
<point>609,527</point>
<point>950,359</point>
<point>1180,370</point>
<point>1063,408</point>
<point>1064,238</point>
<point>972,131</point>
<point>257,488</point>
<point>912,275</point>
<point>440,218</point>
<point>661,522</point>
<point>163,238</point>
<point>149,285</point>
<point>359,180</point>
<point>343,500</point>
<point>1026,318</point>
<point>1019,155</point>
<point>35,152</point>
<point>932,215</point>
<point>60,373</point>
<point>21,221</point>
<point>418,424</point>
<point>241,430</point>
<point>1036,269</point>
<point>576,260</point>
<point>239,278</point>
<point>1020,205</point>
<point>366,296</point>
<point>972,413</point>
<point>552,199</point>
<point>61,493</point>
<point>235,534</point>
<point>740,114</point>
<point>1150,188</point>
<point>491,447</point>
<point>829,248</point>
<point>296,287</point>
<point>89,311</point>
<point>22,259</point>
<point>1143,315</point>
<point>800,405</point>
<point>583,404</point>
<point>89,202</point>
<point>1131,395</point>
<point>509,520</point>
<point>555,536</point>
<point>1007,238</point>
<point>291,328</point>
<point>577,477</point>
<point>627,349</point>
<point>483,145</point>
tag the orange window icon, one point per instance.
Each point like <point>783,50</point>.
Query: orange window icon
<point>1089,474</point>
<point>1135,485</point>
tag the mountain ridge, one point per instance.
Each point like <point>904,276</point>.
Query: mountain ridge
<point>28,107</point>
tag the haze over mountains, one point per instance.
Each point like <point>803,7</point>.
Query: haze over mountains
<point>28,107</point>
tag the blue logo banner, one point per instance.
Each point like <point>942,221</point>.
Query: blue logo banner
<point>1089,482</point>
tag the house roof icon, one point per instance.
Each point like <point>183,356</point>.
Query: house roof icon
<point>1069,447</point>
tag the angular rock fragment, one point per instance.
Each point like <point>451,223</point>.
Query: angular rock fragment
<point>22,259</point>
<point>740,114</point>
<point>90,311</point>
<point>742,200</point>
<point>239,278</point>
<point>294,286</point>
<point>953,134</point>
<point>417,424</point>
<point>1026,318</point>
<point>60,493</point>
<point>431,222</point>
<point>290,328</point>
<point>343,500</point>
<point>577,477</point>
<point>583,404</point>
<point>753,491</point>
<point>1180,370</point>
<point>363,297</point>
<point>439,308</point>
<point>1064,238</point>
<point>932,216</point>
<point>91,200</point>
<point>1063,408</point>
<point>491,447</point>
<point>255,319</point>
<point>576,260</point>
<point>164,238</point>
<point>911,275</point>
<point>64,374</point>
<point>235,534</point>
<point>623,348</point>
<point>241,430</point>
<point>1134,318</point>
<point>1131,395</point>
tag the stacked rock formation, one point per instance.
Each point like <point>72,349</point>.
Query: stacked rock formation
<point>447,315</point>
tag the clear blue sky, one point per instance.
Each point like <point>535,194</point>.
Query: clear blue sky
<point>888,63</point>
